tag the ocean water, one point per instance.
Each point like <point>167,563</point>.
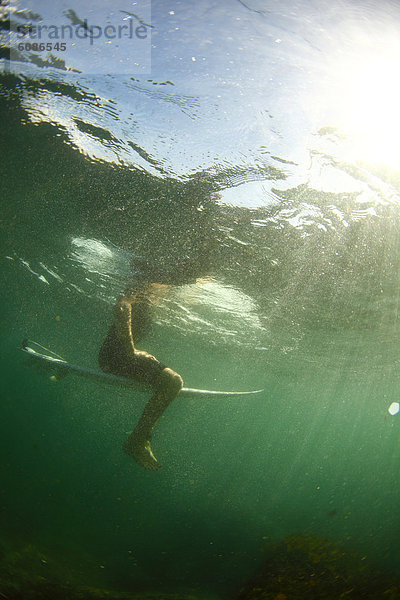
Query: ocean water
<point>262,146</point>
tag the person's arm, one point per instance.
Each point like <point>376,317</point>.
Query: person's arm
<point>123,323</point>
<point>133,300</point>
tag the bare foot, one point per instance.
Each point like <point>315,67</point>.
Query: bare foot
<point>142,453</point>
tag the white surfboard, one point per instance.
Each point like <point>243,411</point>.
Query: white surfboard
<point>60,368</point>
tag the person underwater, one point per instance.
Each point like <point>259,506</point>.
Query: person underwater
<point>119,355</point>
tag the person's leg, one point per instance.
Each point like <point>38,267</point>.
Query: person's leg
<point>138,443</point>
<point>118,355</point>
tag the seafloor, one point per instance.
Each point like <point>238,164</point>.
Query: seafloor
<point>299,567</point>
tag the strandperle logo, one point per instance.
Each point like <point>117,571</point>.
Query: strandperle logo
<point>102,41</point>
<point>82,30</point>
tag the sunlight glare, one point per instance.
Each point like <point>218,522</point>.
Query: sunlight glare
<point>365,104</point>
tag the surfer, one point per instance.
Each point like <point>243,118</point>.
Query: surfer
<point>120,356</point>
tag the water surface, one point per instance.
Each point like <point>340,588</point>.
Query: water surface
<point>262,147</point>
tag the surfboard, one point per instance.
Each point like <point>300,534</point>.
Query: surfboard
<point>59,368</point>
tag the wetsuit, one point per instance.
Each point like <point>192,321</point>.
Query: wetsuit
<point>119,355</point>
<point>141,366</point>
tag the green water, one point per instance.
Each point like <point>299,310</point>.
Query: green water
<point>302,300</point>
